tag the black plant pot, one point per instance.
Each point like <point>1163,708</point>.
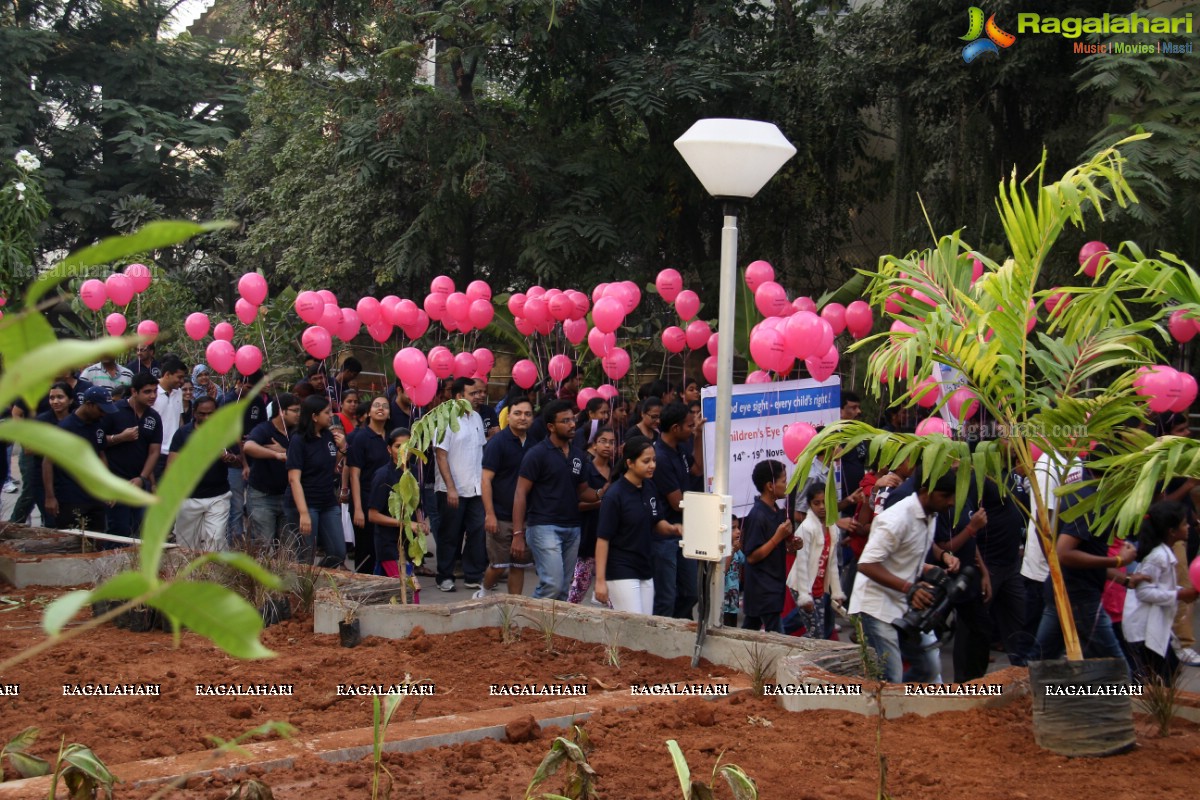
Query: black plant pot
<point>269,611</point>
<point>349,633</point>
<point>1074,725</point>
<point>101,608</point>
<point>284,605</point>
<point>142,619</point>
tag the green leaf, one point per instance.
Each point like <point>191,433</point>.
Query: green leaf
<point>152,236</point>
<point>28,766</point>
<point>239,561</point>
<point>217,614</point>
<point>85,772</point>
<point>123,586</point>
<point>83,464</point>
<point>550,764</point>
<point>21,335</point>
<point>21,742</point>
<point>30,371</point>
<point>681,767</point>
<point>63,610</point>
<point>740,784</point>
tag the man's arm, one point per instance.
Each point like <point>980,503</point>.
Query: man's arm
<point>148,468</point>
<point>519,501</point>
<point>490,523</point>
<point>443,464</point>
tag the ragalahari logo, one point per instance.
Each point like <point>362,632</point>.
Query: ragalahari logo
<point>996,37</point>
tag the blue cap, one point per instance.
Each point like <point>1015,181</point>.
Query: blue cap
<point>102,397</point>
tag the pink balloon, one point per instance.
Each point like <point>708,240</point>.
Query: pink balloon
<point>196,325</point>
<point>516,304</point>
<point>410,364</point>
<point>93,294</point>
<point>835,315</point>
<point>559,368</point>
<point>442,284</point>
<point>309,307</point>
<point>713,343</point>
<point>770,299</point>
<point>248,359</point>
<point>479,290</point>
<point>698,333</point>
<point>458,306</point>
<point>824,337</point>
<point>481,313</point>
<point>524,326</point>
<point>585,396</point>
<point>119,288</point>
<point>803,332</point>
<point>859,319</point>
<point>821,368</point>
<point>561,307</point>
<point>423,393</point>
<point>1093,257</point>
<point>331,318</point>
<point>1187,393</point>
<point>220,356</point>
<point>441,361</point>
<point>598,291</point>
<point>709,369</point>
<point>1194,572</point>
<point>327,297</point>
<point>674,339</point>
<point>601,343</point>
<point>1181,327</point>
<point>687,304</point>
<point>575,330</point>
<point>607,314</point>
<point>963,403</point>
<point>387,307</point>
<point>1161,386</point>
<point>931,425</point>
<point>758,273</point>
<point>633,296</point>
<point>795,438</point>
<point>1035,451</point>
<point>927,393</point>
<point>607,391</point>
<point>767,348</point>
<point>976,269</point>
<point>316,342</point>
<point>418,328</point>
<point>616,363</point>
<point>581,303</point>
<point>369,310</point>
<point>245,310</point>
<point>464,365</point>
<point>545,326</point>
<point>253,288</point>
<point>805,304</point>
<point>405,313</point>
<point>435,305</point>
<point>484,360</point>
<point>900,327</point>
<point>892,306</point>
<point>115,323</point>
<point>536,311</point>
<point>140,275</point>
<point>1056,301</point>
<point>350,324</point>
<point>380,331</point>
<point>223,331</point>
<point>758,376</point>
<point>524,373</point>
<point>536,291</point>
<point>669,283</point>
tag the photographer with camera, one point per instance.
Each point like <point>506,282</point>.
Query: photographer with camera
<point>891,580</point>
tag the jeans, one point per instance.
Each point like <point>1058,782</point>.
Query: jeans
<point>665,553</point>
<point>920,651</point>
<point>1093,624</point>
<point>266,517</point>
<point>237,507</point>
<point>1025,648</point>
<point>326,530</point>
<point>686,592</point>
<point>464,523</point>
<point>555,550</point>
<point>1007,609</point>
<point>125,520</point>
<point>30,494</point>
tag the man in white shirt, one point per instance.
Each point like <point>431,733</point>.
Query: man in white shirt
<point>169,405</point>
<point>890,568</point>
<point>458,483</point>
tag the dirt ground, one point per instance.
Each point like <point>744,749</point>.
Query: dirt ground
<point>810,756</point>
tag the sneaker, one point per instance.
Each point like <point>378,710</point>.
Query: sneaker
<point>472,584</point>
<point>1188,657</point>
<point>11,488</point>
<point>481,594</point>
<point>446,586</point>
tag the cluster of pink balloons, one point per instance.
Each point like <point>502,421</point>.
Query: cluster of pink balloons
<point>119,288</point>
<point>605,391</point>
<point>220,353</point>
<point>419,373</point>
<point>1165,388</point>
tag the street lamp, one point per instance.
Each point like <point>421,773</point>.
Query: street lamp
<point>733,158</point>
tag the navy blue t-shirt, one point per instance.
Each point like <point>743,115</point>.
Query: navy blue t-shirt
<point>127,459</point>
<point>672,473</point>
<point>215,481</point>
<point>398,418</point>
<point>763,583</point>
<point>317,461</point>
<point>1000,542</point>
<point>369,452</point>
<point>503,455</point>
<point>387,539</point>
<point>35,480</point>
<point>587,531</point>
<point>268,475</point>
<point>255,413</point>
<point>628,515</point>
<point>66,490</point>
<point>1083,585</point>
<point>556,477</point>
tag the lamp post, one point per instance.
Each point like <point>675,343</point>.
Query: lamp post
<point>733,158</point>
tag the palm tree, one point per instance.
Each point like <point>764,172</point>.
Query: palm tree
<point>1058,389</point>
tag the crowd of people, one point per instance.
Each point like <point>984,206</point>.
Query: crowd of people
<point>590,501</point>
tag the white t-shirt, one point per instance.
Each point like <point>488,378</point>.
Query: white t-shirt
<point>900,539</point>
<point>1049,477</point>
<point>464,453</point>
<point>170,408</point>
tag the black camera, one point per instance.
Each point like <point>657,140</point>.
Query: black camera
<point>947,589</point>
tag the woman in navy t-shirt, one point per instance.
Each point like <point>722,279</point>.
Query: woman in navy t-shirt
<point>314,453</point>
<point>630,518</point>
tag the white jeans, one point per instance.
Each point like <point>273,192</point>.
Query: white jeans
<point>632,595</point>
<point>201,522</point>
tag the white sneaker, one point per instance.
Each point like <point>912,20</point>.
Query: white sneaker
<point>1187,656</point>
<point>446,586</point>
<point>479,595</point>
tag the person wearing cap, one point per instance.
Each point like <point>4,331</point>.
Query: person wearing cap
<point>133,440</point>
<point>67,501</point>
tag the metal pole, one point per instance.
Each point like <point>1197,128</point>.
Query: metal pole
<point>722,424</point>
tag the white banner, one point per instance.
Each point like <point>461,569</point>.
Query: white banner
<point>761,413</point>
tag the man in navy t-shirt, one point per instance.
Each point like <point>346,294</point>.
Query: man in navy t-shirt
<point>502,457</point>
<point>675,590</point>
<point>133,437</point>
<point>66,500</point>
<point>546,516</point>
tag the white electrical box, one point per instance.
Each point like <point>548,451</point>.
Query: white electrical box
<point>707,526</point>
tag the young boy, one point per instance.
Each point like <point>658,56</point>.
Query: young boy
<point>813,579</point>
<point>764,532</point>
